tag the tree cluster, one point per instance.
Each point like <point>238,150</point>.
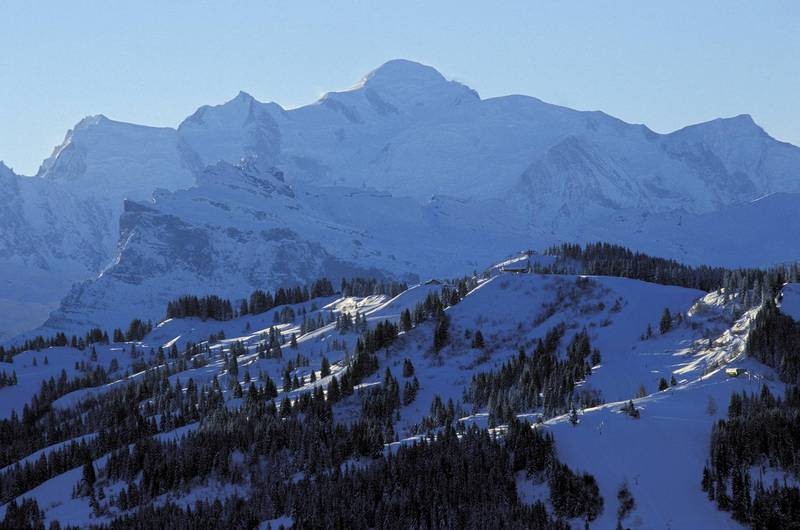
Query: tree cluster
<point>774,340</point>
<point>371,286</point>
<point>540,380</point>
<point>761,430</point>
<point>607,259</point>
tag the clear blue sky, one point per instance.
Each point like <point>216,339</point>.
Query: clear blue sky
<point>665,64</point>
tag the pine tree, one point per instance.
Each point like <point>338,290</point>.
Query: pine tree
<point>666,321</point>
<point>626,502</point>
<point>630,409</point>
<point>573,416</point>
<point>286,408</point>
<point>408,368</point>
<point>334,392</point>
<point>477,341</point>
<point>325,369</point>
<point>595,357</point>
<point>441,333</point>
<point>405,320</point>
<point>705,483</point>
<point>89,476</point>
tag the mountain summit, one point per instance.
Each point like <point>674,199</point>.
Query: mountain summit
<point>408,83</point>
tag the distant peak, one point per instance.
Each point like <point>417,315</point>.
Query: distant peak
<point>741,123</point>
<point>90,121</point>
<point>403,71</point>
<point>403,82</point>
<point>743,117</point>
<point>740,120</point>
<point>243,96</point>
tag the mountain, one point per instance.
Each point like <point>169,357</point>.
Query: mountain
<point>62,226</point>
<point>242,227</point>
<point>401,174</point>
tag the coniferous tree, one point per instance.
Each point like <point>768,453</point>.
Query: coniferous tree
<point>595,357</point>
<point>477,341</point>
<point>89,477</point>
<point>666,321</point>
<point>405,320</point>
<point>626,502</point>
<point>408,368</point>
<point>334,392</point>
<point>325,369</point>
<point>573,416</point>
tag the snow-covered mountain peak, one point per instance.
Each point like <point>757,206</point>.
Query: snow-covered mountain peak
<point>741,118</point>
<point>742,126</point>
<point>244,97</point>
<point>738,126</point>
<point>238,128</point>
<point>240,106</point>
<point>114,159</point>
<point>91,121</point>
<point>403,71</point>
<point>408,84</point>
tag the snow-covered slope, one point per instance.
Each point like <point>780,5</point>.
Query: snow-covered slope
<point>50,237</point>
<point>660,455</point>
<point>242,227</point>
<point>62,226</point>
<point>790,300</point>
<point>112,158</point>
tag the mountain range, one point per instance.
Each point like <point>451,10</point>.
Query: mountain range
<point>404,175</point>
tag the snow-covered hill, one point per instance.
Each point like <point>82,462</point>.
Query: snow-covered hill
<point>395,174</point>
<point>660,455</point>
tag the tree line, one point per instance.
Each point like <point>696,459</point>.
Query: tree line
<point>214,307</point>
<point>607,259</point>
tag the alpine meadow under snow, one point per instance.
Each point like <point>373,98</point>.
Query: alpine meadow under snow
<point>324,317</point>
